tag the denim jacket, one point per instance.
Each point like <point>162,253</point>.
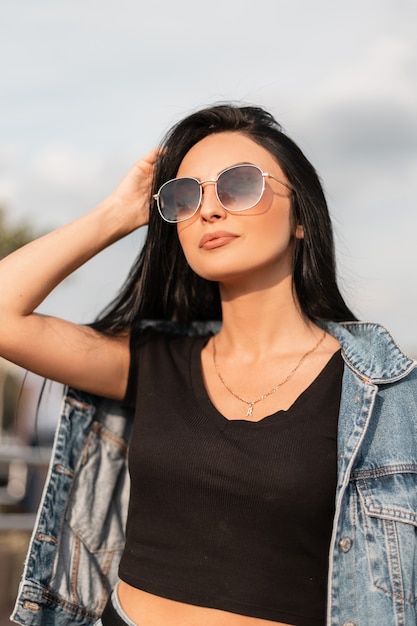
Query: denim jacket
<point>76,546</point>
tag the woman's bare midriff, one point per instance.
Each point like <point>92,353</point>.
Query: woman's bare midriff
<point>146,609</point>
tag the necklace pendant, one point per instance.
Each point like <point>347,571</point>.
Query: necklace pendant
<point>249,412</point>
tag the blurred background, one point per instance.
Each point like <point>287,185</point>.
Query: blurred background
<point>89,86</point>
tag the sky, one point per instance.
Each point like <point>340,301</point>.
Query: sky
<point>89,86</point>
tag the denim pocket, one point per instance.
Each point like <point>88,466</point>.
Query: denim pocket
<point>99,499</point>
<point>388,499</point>
<point>92,533</point>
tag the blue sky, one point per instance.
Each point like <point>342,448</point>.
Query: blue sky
<point>88,86</point>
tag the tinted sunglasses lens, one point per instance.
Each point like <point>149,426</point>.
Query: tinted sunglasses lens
<point>240,187</point>
<point>179,199</point>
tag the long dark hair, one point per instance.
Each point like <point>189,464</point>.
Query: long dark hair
<point>161,285</point>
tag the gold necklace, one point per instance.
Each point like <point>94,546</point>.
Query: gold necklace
<point>251,403</point>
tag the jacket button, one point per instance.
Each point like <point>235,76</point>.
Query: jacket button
<point>349,624</point>
<point>345,545</point>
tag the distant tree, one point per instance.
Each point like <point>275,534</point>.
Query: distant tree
<point>13,236</point>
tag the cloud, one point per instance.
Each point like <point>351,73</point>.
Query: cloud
<point>371,129</point>
<point>369,111</point>
<point>362,130</point>
<point>65,167</point>
<point>387,71</point>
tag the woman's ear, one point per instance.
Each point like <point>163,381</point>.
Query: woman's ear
<point>299,232</point>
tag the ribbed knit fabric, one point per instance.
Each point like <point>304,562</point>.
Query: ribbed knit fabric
<point>234,515</point>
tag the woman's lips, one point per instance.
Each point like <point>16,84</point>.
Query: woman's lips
<point>216,240</point>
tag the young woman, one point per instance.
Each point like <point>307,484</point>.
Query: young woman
<point>273,454</point>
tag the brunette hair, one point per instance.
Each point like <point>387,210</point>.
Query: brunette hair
<point>162,286</point>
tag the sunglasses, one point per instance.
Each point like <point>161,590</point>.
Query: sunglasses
<point>238,188</point>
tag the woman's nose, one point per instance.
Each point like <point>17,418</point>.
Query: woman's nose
<point>210,207</point>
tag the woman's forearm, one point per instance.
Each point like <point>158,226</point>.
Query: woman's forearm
<point>28,275</point>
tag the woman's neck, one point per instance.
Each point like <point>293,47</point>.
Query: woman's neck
<point>263,321</point>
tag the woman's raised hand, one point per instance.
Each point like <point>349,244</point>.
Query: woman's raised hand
<point>133,194</point>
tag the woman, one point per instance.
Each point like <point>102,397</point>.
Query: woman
<point>273,455</point>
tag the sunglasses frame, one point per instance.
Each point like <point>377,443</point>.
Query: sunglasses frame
<point>214,181</point>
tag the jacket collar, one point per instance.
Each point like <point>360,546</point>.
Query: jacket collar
<point>370,351</point>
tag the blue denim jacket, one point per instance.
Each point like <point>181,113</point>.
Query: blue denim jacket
<point>79,535</point>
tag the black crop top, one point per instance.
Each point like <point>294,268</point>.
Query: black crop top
<point>233,515</point>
